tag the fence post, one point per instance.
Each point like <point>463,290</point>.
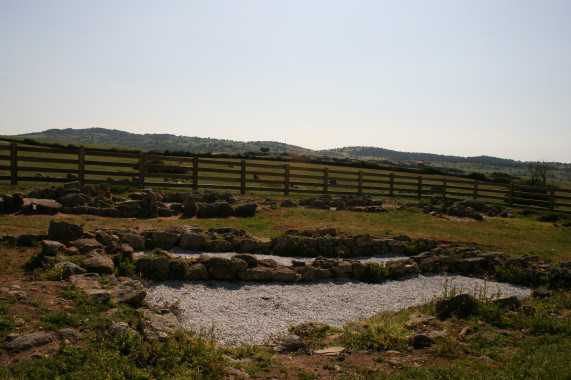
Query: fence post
<point>551,198</point>
<point>511,194</point>
<point>475,189</point>
<point>142,160</point>
<point>325,180</point>
<point>391,183</point>
<point>444,187</point>
<point>81,166</point>
<point>360,188</point>
<point>195,173</point>
<point>243,177</point>
<point>419,187</point>
<point>14,163</point>
<point>286,179</point>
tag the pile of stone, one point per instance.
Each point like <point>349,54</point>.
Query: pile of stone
<point>357,203</point>
<point>471,208</point>
<point>89,200</point>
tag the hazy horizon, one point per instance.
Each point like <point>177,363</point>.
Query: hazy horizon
<point>466,78</point>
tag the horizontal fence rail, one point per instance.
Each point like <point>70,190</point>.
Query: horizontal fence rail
<point>20,163</point>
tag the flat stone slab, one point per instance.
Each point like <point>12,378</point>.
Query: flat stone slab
<point>330,351</point>
<point>156,325</point>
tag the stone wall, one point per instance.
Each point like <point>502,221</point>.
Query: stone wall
<point>334,255</point>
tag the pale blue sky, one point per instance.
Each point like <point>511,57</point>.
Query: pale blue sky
<point>461,77</point>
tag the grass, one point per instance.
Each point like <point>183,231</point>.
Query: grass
<point>537,346</point>
<point>515,236</point>
<point>102,354</point>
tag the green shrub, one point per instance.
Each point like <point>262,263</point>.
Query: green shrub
<point>377,273</point>
<point>385,331</point>
<point>415,247</point>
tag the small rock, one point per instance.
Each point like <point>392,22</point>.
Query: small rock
<point>422,341</point>
<point>291,343</point>
<point>18,294</point>
<point>541,293</point>
<point>69,334</point>
<point>418,319</point>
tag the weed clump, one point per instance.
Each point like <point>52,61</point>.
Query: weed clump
<point>377,272</point>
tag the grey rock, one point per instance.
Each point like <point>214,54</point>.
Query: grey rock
<point>288,203</point>
<point>461,305</point>
<point>246,210</point>
<point>99,264</point>
<point>129,291</point>
<point>192,241</point>
<point>156,325</point>
<point>69,269</point>
<point>198,272</point>
<point>40,206</point>
<point>291,343</point>
<point>27,341</point>
<point>64,232</point>
<point>52,248</point>
<point>189,208</point>
<point>155,268</point>
<point>508,302</point>
<point>221,268</point>
<point>86,245</point>
<point>70,334</point>
<point>421,341</point>
<point>73,200</point>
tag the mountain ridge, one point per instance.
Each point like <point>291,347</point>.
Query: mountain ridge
<point>171,142</point>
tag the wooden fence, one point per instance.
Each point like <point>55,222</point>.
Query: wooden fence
<point>19,163</point>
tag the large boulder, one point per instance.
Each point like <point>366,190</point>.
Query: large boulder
<point>165,240</point>
<point>220,246</point>
<point>189,207</point>
<point>192,241</point>
<point>154,268</point>
<point>198,272</point>
<point>135,241</point>
<point>157,325</point>
<point>27,341</point>
<point>221,269</point>
<point>246,210</point>
<point>128,291</point>
<point>99,264</point>
<point>69,269</point>
<point>52,248</point>
<point>149,203</point>
<point>86,245</point>
<point>73,200</point>
<point>64,232</point>
<point>461,305</point>
<point>40,206</point>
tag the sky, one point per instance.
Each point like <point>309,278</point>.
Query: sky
<point>457,77</point>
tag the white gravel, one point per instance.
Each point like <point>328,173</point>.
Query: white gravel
<point>287,260</point>
<point>253,313</point>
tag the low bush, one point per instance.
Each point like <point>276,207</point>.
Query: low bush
<point>376,273</point>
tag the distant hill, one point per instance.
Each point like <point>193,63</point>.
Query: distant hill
<point>491,166</point>
<point>367,152</point>
<point>112,137</point>
<point>160,142</point>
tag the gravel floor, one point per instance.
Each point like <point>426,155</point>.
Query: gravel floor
<point>254,313</point>
<point>287,260</point>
